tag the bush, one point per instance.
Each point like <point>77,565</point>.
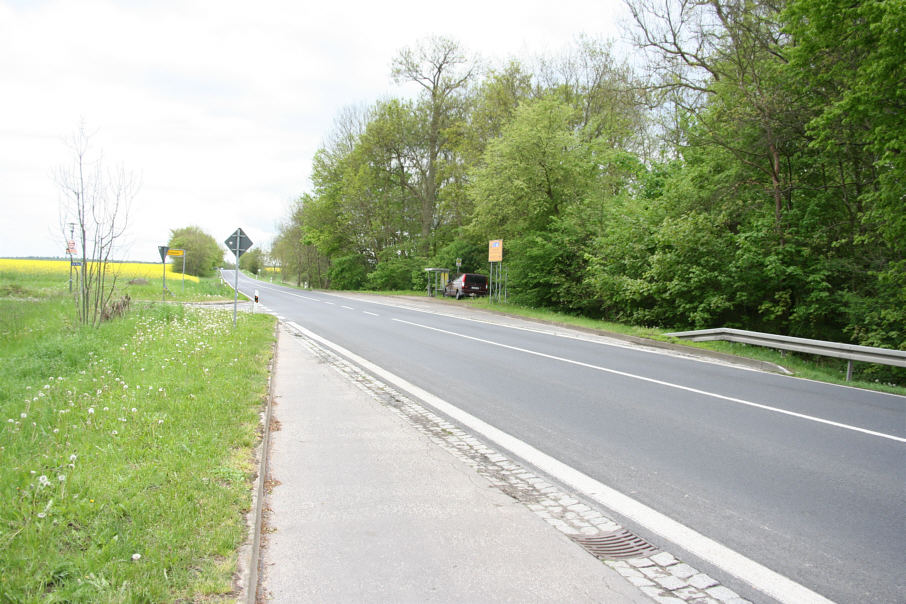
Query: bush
<point>348,272</point>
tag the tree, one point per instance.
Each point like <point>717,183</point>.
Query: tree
<point>716,62</point>
<point>252,261</point>
<point>531,173</point>
<point>441,69</point>
<point>295,249</point>
<point>203,253</point>
<point>96,203</point>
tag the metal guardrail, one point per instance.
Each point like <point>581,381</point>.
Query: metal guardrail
<point>850,352</point>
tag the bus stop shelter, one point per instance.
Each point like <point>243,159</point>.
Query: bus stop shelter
<point>437,279</point>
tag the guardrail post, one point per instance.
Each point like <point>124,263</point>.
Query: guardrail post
<point>849,370</point>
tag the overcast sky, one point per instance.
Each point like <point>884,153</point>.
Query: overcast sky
<point>218,107</point>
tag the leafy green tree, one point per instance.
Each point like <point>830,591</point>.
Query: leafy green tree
<point>203,253</point>
<point>294,248</point>
<point>348,272</point>
<point>531,173</point>
<point>252,260</point>
<point>443,72</point>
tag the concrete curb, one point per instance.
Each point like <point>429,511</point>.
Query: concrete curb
<point>246,581</point>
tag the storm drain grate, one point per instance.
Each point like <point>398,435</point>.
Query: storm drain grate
<point>615,545</point>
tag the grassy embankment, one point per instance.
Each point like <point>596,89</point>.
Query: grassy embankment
<point>125,451</point>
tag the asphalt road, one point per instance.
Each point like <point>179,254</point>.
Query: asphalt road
<point>808,479</point>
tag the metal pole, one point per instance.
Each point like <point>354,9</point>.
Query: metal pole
<point>69,249</point>
<point>184,272</point>
<point>163,292</point>
<point>236,282</point>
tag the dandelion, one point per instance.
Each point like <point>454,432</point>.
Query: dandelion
<point>114,432</point>
<point>136,557</point>
<point>41,515</point>
<point>23,415</point>
<point>134,410</point>
<point>90,410</point>
<point>43,481</point>
<point>61,478</point>
<point>55,430</point>
<point>73,457</point>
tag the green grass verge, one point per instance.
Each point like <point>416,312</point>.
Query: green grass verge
<point>126,450</point>
<point>208,289</point>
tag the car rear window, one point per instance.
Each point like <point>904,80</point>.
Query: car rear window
<point>475,279</point>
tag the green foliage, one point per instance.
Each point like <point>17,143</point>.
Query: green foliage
<point>397,272</point>
<point>252,261</point>
<point>473,254</point>
<point>531,173</point>
<point>203,253</point>
<point>348,272</point>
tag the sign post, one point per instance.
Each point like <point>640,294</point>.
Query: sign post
<point>495,257</point>
<point>163,249</point>
<point>177,253</point>
<point>238,243</point>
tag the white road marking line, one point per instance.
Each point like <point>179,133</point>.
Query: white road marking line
<point>347,307</point>
<point>760,577</point>
<point>613,343</point>
<point>326,302</point>
<point>373,314</point>
<point>663,383</point>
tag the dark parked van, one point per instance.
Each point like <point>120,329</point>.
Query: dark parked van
<point>467,284</point>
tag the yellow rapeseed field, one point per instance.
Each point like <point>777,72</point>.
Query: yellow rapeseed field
<point>123,270</point>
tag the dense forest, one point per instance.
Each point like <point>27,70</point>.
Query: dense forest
<point>745,168</point>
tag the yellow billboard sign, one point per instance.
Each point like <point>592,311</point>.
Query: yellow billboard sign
<point>495,250</point>
<point>175,252</point>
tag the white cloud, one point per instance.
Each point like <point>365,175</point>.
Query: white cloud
<point>218,106</point>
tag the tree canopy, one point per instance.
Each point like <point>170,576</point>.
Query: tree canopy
<point>203,253</point>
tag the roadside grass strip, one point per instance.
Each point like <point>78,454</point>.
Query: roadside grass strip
<point>126,451</point>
